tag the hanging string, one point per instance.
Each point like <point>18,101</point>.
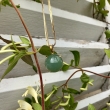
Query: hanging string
<point>52,24</point>
<point>45,25</point>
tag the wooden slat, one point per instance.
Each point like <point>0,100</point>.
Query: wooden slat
<point>65,28</point>
<point>58,12</point>
<point>84,6</point>
<point>90,100</point>
<point>64,43</point>
<point>12,83</point>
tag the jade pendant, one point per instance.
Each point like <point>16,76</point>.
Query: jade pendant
<point>53,63</point>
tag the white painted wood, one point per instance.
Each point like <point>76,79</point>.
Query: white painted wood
<point>12,84</point>
<point>93,99</point>
<point>58,12</point>
<point>65,28</point>
<point>90,1</point>
<point>84,7</point>
<point>64,43</point>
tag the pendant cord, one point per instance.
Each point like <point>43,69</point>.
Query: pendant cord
<point>45,25</point>
<point>52,23</point>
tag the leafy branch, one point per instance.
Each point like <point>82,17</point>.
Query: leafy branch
<point>99,9</point>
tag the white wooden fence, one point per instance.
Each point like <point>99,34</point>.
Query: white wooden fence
<point>75,30</point>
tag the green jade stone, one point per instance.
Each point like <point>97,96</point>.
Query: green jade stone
<point>53,63</point>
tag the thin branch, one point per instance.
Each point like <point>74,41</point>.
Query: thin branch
<point>93,8</point>
<point>83,71</point>
<point>35,56</point>
<point>97,74</point>
<point>71,76</point>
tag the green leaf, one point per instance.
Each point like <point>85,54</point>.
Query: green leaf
<point>54,91</point>
<point>25,40</point>
<point>73,91</point>
<point>36,106</point>
<point>5,40</point>
<point>55,88</point>
<point>28,59</point>
<point>18,6</point>
<point>73,107</point>
<point>27,99</point>
<point>65,67</point>
<point>105,12</point>
<point>71,99</point>
<point>64,103</point>
<point>76,57</point>
<point>9,41</point>
<point>66,107</point>
<point>65,90</point>
<point>33,100</point>
<point>14,46</point>
<point>34,68</point>
<point>56,101</point>
<point>84,85</point>
<point>107,51</point>
<point>7,2</point>
<point>37,1</point>
<point>84,78</point>
<point>11,60</point>
<point>91,107</point>
<point>70,90</point>
<point>72,61</point>
<point>47,103</point>
<point>45,50</point>
<point>101,4</point>
<point>107,33</point>
<point>13,64</point>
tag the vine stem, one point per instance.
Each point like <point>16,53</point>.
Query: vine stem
<point>93,8</point>
<point>34,50</point>
<point>71,76</point>
<point>83,71</point>
<point>97,74</point>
